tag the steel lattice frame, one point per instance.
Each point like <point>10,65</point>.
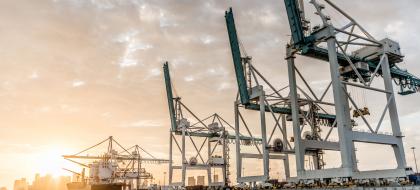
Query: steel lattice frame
<point>329,34</point>
<point>196,132</point>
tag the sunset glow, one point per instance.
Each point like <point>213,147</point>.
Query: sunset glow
<point>75,72</point>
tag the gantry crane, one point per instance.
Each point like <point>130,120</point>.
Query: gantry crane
<point>254,98</point>
<point>114,166</point>
<point>356,59</point>
<point>273,101</point>
<point>211,130</point>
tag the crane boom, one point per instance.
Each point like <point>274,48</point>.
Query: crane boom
<point>170,97</point>
<point>295,21</point>
<point>237,58</point>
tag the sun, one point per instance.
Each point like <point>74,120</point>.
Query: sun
<point>51,162</point>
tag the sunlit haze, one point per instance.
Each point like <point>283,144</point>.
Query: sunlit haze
<point>74,72</point>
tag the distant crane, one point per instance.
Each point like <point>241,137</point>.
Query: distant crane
<point>113,166</point>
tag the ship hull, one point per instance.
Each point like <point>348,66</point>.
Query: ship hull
<point>84,186</point>
<point>108,187</point>
<point>78,186</point>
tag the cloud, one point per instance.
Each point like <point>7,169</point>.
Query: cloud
<point>34,75</point>
<point>224,86</point>
<point>78,83</point>
<point>68,108</point>
<point>44,109</point>
<point>132,45</point>
<point>189,78</point>
<point>394,28</point>
<point>207,39</point>
<point>91,44</point>
<point>155,72</point>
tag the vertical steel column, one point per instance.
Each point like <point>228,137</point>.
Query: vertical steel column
<point>224,158</point>
<point>315,161</point>
<point>353,156</point>
<point>286,160</point>
<point>415,159</point>
<point>208,161</point>
<point>341,107</point>
<point>299,151</point>
<point>237,142</point>
<point>138,173</point>
<point>139,165</point>
<point>184,165</point>
<point>393,114</point>
<point>264,133</point>
<point>170,158</point>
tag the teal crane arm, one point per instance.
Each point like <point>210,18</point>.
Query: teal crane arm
<point>295,22</point>
<point>237,58</point>
<point>169,96</point>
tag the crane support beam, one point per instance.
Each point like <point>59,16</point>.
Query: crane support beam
<point>115,157</point>
<point>324,145</point>
<point>288,111</point>
<point>375,138</point>
<point>210,135</point>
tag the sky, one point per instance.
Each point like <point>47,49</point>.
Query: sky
<point>73,72</point>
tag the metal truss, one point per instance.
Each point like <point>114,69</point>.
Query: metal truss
<point>197,136</point>
<point>274,143</point>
